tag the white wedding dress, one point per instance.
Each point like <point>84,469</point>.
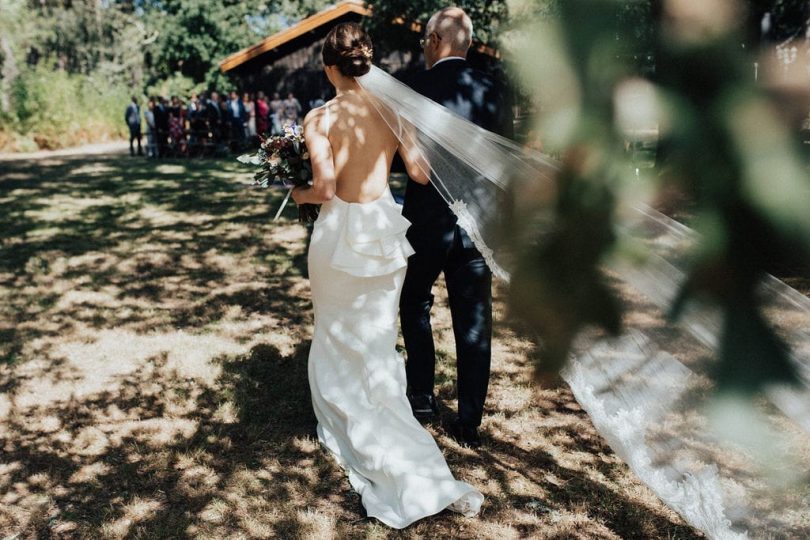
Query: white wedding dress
<point>357,260</point>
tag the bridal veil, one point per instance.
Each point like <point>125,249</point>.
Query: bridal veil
<point>731,466</point>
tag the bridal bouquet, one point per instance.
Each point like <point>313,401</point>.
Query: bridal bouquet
<point>284,160</point>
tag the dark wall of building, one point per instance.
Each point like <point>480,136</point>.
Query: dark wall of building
<point>296,67</point>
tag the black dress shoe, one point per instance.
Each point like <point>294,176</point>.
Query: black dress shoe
<point>467,435</point>
<point>424,406</point>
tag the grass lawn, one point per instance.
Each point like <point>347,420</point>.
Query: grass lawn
<point>154,329</point>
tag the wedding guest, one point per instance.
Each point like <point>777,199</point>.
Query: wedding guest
<point>276,112</point>
<point>250,111</point>
<point>200,126</point>
<point>132,116</point>
<point>195,116</point>
<point>292,110</point>
<point>193,106</point>
<point>237,114</point>
<point>162,125</point>
<point>262,114</point>
<point>213,105</point>
<point>151,139</point>
<point>214,114</point>
<point>215,117</point>
<point>225,119</point>
<point>177,130</point>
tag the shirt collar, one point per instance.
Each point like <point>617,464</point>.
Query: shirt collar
<point>446,58</point>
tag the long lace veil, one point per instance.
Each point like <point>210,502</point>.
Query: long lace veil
<point>731,467</point>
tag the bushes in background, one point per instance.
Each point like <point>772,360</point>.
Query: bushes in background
<point>53,109</point>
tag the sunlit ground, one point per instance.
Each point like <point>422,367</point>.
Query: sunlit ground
<point>154,328</point>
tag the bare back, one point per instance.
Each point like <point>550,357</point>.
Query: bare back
<point>363,147</point>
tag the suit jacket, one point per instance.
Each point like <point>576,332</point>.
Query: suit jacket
<point>161,117</point>
<point>472,94</point>
<point>132,116</point>
<point>213,111</point>
<point>240,115</point>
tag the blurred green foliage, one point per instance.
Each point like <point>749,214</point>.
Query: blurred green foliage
<point>728,153</point>
<point>569,56</point>
<point>192,36</point>
<point>47,97</point>
<point>175,85</point>
<point>55,109</point>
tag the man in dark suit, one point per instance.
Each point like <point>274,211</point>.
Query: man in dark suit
<point>441,245</point>
<point>237,116</point>
<point>132,116</point>
<point>162,125</point>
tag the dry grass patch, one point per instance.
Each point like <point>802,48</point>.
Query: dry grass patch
<point>154,330</point>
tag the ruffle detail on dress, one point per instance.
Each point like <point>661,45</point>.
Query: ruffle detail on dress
<point>372,242</point>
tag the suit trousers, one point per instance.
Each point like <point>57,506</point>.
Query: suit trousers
<point>469,289</point>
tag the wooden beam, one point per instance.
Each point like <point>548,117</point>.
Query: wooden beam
<point>307,25</point>
<point>315,21</point>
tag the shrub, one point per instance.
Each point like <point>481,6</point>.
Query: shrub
<point>54,109</point>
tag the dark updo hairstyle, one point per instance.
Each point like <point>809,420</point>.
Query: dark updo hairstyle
<point>348,47</point>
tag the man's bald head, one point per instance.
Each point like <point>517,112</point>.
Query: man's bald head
<point>454,30</point>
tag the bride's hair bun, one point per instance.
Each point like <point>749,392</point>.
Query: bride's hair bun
<point>348,47</point>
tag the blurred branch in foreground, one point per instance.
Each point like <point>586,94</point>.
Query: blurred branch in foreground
<point>704,387</point>
<point>729,153</point>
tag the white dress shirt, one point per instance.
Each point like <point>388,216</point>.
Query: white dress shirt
<point>446,58</point>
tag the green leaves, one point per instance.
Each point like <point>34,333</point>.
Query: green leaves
<point>487,17</point>
<point>727,147</point>
<point>194,35</point>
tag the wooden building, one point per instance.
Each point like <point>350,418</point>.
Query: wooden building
<point>290,61</point>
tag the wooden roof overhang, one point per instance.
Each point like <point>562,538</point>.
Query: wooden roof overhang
<point>312,24</point>
<point>297,30</point>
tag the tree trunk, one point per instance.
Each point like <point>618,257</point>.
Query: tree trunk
<point>8,73</point>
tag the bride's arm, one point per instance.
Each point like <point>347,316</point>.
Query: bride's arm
<point>416,165</point>
<point>323,166</point>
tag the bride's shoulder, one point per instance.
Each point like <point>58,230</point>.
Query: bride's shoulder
<point>317,116</point>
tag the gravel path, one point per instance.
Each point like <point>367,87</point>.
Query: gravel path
<point>113,147</point>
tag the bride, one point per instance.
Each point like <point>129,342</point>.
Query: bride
<point>357,261</point>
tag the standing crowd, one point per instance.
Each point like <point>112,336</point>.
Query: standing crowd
<point>209,123</point>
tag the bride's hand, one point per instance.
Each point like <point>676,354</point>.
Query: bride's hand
<point>298,195</point>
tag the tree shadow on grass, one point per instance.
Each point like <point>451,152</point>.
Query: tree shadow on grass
<point>168,456</point>
<point>160,235</point>
<point>178,251</point>
<point>172,249</point>
<point>171,454</point>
